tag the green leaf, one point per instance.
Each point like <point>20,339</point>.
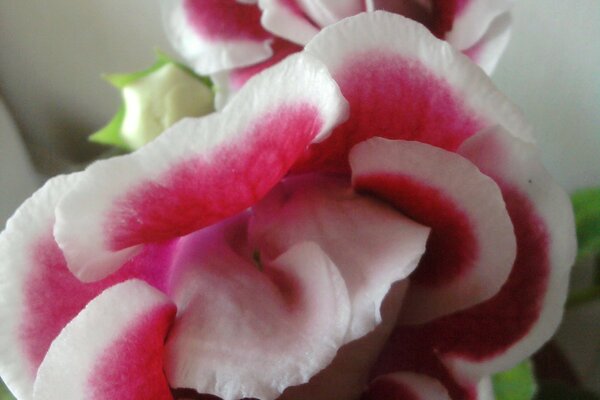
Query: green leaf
<point>557,391</point>
<point>517,383</point>
<point>586,204</point>
<point>111,133</point>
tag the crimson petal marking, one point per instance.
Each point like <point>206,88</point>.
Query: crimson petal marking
<point>417,88</point>
<point>406,386</point>
<point>39,294</point>
<point>372,245</point>
<point>474,19</point>
<point>471,249</point>
<point>498,333</point>
<point>545,228</point>
<point>215,35</point>
<point>287,19</point>
<point>113,349</point>
<point>200,170</point>
<point>270,326</point>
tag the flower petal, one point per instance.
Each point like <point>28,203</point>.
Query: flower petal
<point>473,19</point>
<point>214,35</point>
<point>246,330</point>
<point>112,350</point>
<point>287,19</point>
<point>406,386</point>
<point>525,313</point>
<point>230,82</point>
<point>199,171</point>
<point>349,373</point>
<point>40,295</point>
<point>471,249</point>
<point>416,88</point>
<point>529,307</point>
<point>372,245</point>
<point>487,51</point>
<point>327,12</point>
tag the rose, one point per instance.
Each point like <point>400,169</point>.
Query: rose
<point>250,251</point>
<point>233,40</point>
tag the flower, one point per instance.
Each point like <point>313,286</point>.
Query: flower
<point>367,218</point>
<point>234,39</point>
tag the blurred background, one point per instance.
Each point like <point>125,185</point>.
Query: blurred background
<point>54,51</point>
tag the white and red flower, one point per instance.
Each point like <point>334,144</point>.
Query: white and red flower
<point>367,218</point>
<point>232,40</point>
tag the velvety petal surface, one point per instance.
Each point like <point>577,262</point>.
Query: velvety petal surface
<point>406,386</point>
<point>114,349</point>
<point>493,336</point>
<point>40,295</point>
<point>252,328</point>
<point>471,249</point>
<point>214,35</point>
<point>371,243</point>
<point>200,170</point>
<point>418,88</point>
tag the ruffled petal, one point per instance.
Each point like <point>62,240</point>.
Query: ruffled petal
<point>40,295</point>
<point>199,171</point>
<point>417,88</point>
<point>287,19</point>
<point>349,373</point>
<point>471,249</point>
<point>406,386</point>
<point>371,243</point>
<point>487,51</point>
<point>529,307</point>
<point>493,336</point>
<point>215,35</point>
<point>473,19</point>
<point>252,329</point>
<point>114,348</point>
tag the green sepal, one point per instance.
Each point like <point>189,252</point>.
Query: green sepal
<point>4,392</point>
<point>517,383</point>
<point>111,133</point>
